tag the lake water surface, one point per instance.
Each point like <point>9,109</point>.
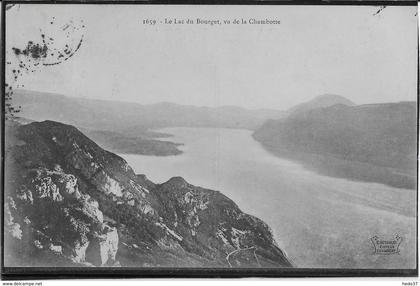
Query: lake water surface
<point>318,221</point>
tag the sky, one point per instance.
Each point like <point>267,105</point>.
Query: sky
<point>344,50</point>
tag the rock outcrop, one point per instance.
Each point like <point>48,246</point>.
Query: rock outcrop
<point>69,202</point>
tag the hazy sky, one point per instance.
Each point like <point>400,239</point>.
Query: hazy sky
<point>343,50</point>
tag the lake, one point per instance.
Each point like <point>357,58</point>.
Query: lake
<point>318,221</point>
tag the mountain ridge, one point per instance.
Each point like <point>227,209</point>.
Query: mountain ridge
<point>373,142</point>
<point>90,113</point>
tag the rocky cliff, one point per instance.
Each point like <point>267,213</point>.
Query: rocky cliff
<point>70,202</point>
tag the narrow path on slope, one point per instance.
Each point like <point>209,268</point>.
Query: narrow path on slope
<point>242,249</point>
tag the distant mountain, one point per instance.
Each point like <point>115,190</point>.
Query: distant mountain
<point>373,142</point>
<point>69,202</point>
<point>132,118</point>
<point>324,100</point>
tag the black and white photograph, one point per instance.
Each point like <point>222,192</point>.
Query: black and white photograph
<point>272,138</point>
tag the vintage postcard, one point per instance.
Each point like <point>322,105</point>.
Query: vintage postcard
<point>275,140</point>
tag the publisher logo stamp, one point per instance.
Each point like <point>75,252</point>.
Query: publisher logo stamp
<point>386,246</point>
